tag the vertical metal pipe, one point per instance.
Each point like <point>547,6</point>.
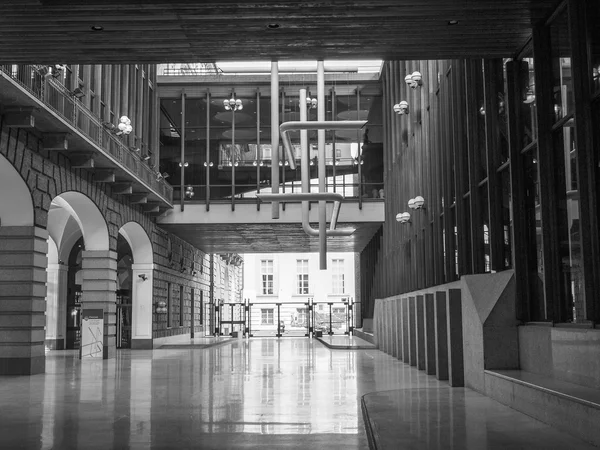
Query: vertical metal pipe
<point>322,166</point>
<point>232,159</point>
<point>207,154</point>
<point>275,136</point>
<point>257,155</point>
<point>304,161</point>
<point>182,156</point>
<point>359,152</point>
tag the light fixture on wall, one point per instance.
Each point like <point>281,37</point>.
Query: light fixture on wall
<point>414,80</point>
<point>123,127</point>
<point>210,164</point>
<point>78,92</point>
<point>184,164</point>
<point>416,203</point>
<point>401,108</point>
<point>403,217</point>
<point>161,307</point>
<point>145,157</point>
<point>529,95</point>
<point>143,276</point>
<point>162,176</point>
<point>311,103</point>
<point>189,192</point>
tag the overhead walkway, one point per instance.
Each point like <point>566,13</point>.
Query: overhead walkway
<point>250,228</point>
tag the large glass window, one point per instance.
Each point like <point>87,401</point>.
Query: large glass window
<point>302,276</point>
<point>561,67</point>
<point>593,15</point>
<point>337,276</point>
<point>569,227</point>
<point>266,270</point>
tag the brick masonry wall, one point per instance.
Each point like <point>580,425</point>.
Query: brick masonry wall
<point>49,174</point>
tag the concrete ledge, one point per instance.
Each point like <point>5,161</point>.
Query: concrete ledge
<point>346,343</point>
<point>365,335</point>
<point>567,406</point>
<point>142,344</point>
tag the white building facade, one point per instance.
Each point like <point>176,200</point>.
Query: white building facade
<point>285,288</point>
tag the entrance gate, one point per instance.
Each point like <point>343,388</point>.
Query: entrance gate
<point>278,319</point>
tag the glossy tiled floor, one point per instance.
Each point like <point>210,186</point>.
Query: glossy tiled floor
<point>258,394</point>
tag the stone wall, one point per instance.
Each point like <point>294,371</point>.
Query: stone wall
<point>49,174</point>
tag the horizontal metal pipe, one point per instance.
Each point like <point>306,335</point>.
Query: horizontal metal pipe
<point>314,196</point>
<point>317,125</point>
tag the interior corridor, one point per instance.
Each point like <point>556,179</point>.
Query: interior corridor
<point>260,394</point>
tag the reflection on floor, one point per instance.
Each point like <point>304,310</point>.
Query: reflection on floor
<point>290,393</point>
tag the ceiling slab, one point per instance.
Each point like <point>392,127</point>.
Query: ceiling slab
<point>269,237</point>
<point>155,31</point>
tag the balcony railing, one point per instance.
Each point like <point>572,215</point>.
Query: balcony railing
<point>60,100</point>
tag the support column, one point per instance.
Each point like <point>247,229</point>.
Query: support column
<point>420,331</point>
<point>429,317</point>
<point>412,331</point>
<point>405,331</point>
<point>141,298</point>
<point>455,338</point>
<point>23,277</point>
<point>56,306</point>
<point>400,336</point>
<point>99,291</point>
<point>441,336</point>
<point>395,327</point>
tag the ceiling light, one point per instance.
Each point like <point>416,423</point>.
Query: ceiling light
<point>273,26</point>
<point>453,22</point>
<point>97,28</point>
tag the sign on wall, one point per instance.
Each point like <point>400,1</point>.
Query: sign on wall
<point>92,333</point>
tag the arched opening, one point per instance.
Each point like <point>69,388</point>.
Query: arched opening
<point>75,224</point>
<point>124,292</point>
<point>141,288</point>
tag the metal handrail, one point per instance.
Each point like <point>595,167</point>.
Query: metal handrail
<point>58,98</point>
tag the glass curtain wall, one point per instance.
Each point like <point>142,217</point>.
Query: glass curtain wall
<point>239,143</point>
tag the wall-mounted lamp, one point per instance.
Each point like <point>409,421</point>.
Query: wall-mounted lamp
<point>416,203</point>
<point>143,276</point>
<point>311,103</point>
<point>135,149</point>
<point>189,192</point>
<point>145,157</point>
<point>161,307</point>
<point>162,176</point>
<point>529,95</point>
<point>403,217</point>
<point>414,80</point>
<point>124,126</point>
<point>401,108</point>
<point>210,164</point>
<point>233,104</point>
<point>185,164</point>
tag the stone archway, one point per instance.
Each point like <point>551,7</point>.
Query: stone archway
<point>71,216</point>
<point>142,284</point>
<point>23,248</point>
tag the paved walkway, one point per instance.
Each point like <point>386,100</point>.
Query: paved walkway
<point>289,393</point>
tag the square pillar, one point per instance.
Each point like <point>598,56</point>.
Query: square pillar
<point>405,331</point>
<point>99,291</point>
<point>399,336</point>
<point>23,262</point>
<point>456,375</point>
<point>412,331</point>
<point>429,326</point>
<point>420,329</point>
<point>441,336</point>
<point>395,327</point>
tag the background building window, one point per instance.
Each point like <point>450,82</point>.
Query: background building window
<point>180,306</point>
<point>302,276</point>
<point>266,316</point>
<point>169,306</point>
<point>266,270</point>
<point>337,276</point>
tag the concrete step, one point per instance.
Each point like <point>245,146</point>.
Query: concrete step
<point>566,406</point>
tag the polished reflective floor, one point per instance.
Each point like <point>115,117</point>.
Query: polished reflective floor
<point>289,393</point>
